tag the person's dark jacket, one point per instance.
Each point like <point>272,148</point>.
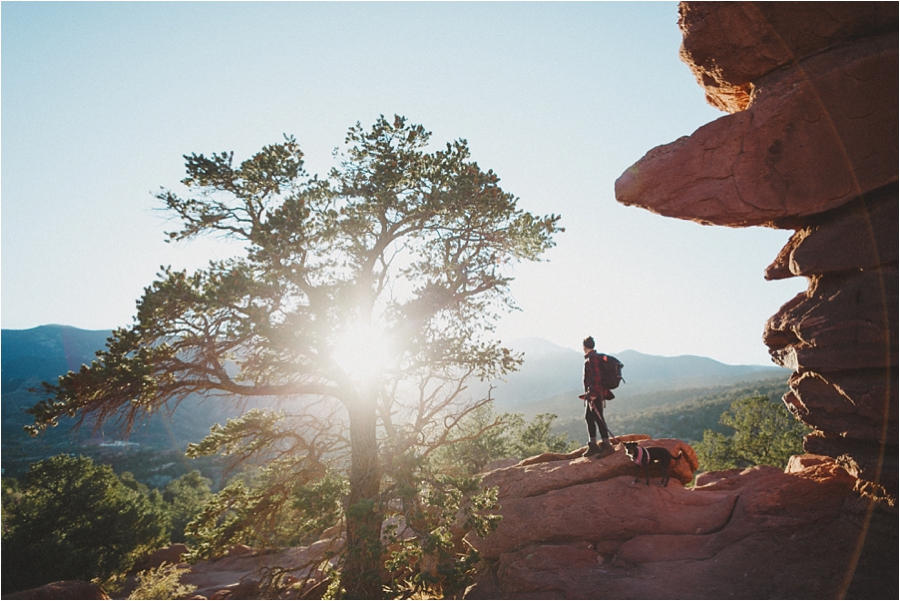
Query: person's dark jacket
<point>593,378</point>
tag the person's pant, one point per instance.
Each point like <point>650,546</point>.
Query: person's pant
<point>595,421</point>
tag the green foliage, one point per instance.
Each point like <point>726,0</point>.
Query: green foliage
<point>535,437</point>
<point>185,499</point>
<point>476,440</point>
<point>485,436</point>
<point>765,433</point>
<point>429,511</point>
<point>73,520</point>
<point>272,509</point>
<point>162,583</point>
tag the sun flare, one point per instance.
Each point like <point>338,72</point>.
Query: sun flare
<point>363,350</point>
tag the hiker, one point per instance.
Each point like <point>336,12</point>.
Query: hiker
<point>594,396</point>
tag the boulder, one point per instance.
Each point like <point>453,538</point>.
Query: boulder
<point>528,478</point>
<point>618,507</point>
<point>753,167</point>
<point>843,321</point>
<point>730,46</point>
<point>238,575</point>
<point>869,460</point>
<point>859,404</point>
<point>585,493</point>
<point>64,589</point>
<point>862,235</point>
<point>170,555</point>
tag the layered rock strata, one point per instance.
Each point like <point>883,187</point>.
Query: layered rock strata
<point>583,529</point>
<point>731,47</point>
<point>810,145</point>
<point>840,336</point>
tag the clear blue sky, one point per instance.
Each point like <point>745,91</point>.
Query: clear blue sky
<point>101,100</point>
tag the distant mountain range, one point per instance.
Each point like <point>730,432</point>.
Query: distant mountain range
<point>40,354</point>
<point>549,381</point>
<point>46,352</point>
<point>550,370</point>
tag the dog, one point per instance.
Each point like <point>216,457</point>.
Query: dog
<point>644,456</point>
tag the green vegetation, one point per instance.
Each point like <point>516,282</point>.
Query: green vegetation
<point>268,509</point>
<point>73,520</point>
<point>485,436</point>
<point>682,414</point>
<point>185,498</point>
<point>765,433</point>
<point>365,300</point>
<point>162,583</point>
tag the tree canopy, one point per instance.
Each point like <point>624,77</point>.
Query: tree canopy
<point>363,302</point>
<point>765,433</point>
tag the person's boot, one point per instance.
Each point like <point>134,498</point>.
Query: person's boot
<point>604,450</point>
<point>592,450</point>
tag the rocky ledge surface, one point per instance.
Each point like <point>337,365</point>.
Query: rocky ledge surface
<point>583,529</point>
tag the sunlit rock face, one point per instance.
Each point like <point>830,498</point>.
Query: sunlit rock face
<point>583,529</point>
<point>810,145</point>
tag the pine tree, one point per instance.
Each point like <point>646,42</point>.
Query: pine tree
<point>365,298</point>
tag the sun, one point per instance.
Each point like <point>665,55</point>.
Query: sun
<point>363,350</point>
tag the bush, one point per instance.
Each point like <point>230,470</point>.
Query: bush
<point>185,498</point>
<point>765,433</point>
<point>73,520</point>
<point>485,436</point>
<point>162,583</point>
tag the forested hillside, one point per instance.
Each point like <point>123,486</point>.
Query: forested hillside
<point>683,414</point>
<point>656,399</point>
<point>154,451</point>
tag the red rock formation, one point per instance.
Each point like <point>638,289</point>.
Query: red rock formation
<point>580,529</point>
<point>814,137</point>
<point>64,589</point>
<point>730,47</point>
<point>237,575</point>
<point>170,555</point>
<point>811,145</point>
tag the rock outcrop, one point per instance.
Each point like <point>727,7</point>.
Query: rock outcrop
<point>170,555</point>
<point>64,589</point>
<point>248,574</point>
<point>583,529</point>
<point>731,47</point>
<point>810,145</point>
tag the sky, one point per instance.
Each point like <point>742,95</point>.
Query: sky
<point>100,101</point>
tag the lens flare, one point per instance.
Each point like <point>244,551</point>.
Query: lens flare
<point>363,351</point>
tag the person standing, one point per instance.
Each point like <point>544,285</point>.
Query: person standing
<point>594,396</point>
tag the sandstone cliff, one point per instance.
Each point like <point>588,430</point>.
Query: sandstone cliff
<point>583,529</point>
<point>811,145</point>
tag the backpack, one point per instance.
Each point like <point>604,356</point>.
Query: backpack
<point>611,371</point>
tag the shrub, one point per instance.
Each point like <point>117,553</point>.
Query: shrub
<point>73,520</point>
<point>162,583</point>
<point>765,433</point>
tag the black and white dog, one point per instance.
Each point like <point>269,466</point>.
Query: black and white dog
<point>643,457</point>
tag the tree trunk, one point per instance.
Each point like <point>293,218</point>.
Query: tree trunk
<point>361,575</point>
